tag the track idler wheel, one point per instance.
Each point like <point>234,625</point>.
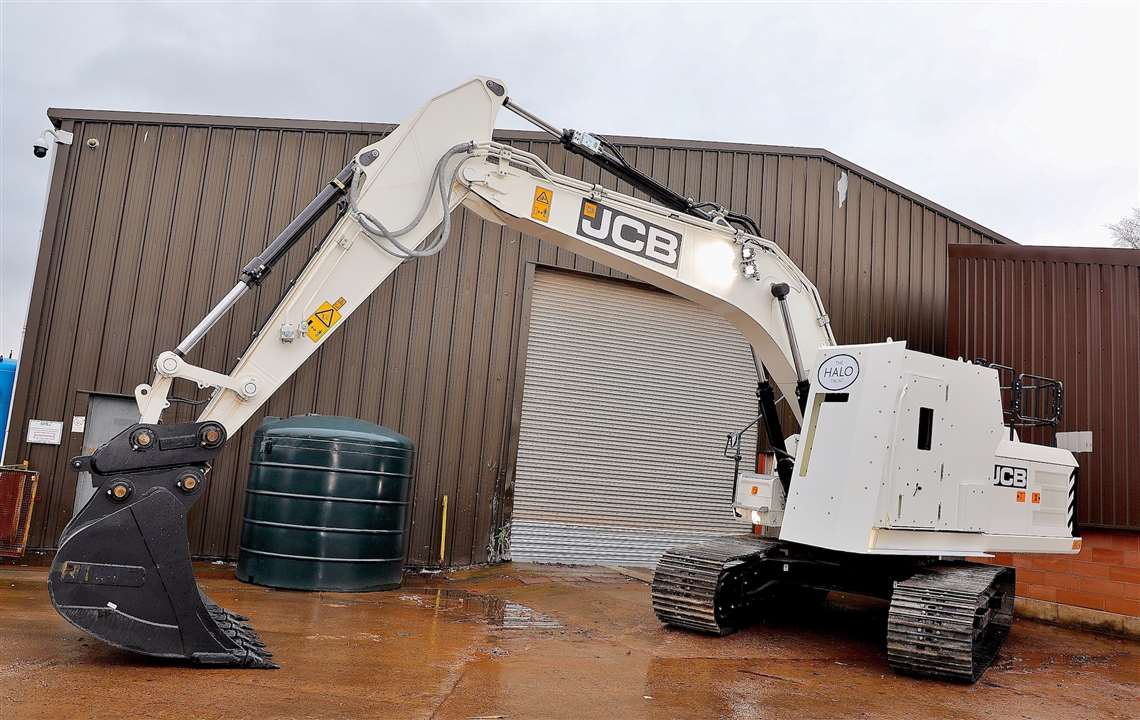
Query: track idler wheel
<point>123,571</point>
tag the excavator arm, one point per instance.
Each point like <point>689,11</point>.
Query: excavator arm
<point>444,155</point>
<point>123,569</point>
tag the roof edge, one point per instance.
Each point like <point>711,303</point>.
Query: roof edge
<point>1049,253</point>
<point>59,115</point>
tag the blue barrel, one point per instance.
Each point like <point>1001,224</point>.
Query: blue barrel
<point>326,505</point>
<point>7,386</point>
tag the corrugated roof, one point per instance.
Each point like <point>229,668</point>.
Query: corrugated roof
<point>58,115</point>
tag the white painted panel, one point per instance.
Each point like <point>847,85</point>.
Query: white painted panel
<point>628,396</point>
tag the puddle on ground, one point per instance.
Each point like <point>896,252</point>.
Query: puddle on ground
<point>494,610</point>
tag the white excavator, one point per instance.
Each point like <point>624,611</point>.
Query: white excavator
<point>905,463</point>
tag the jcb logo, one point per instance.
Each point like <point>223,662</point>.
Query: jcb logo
<point>1008,476</point>
<point>613,227</point>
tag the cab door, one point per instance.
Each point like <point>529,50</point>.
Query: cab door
<point>920,433</point>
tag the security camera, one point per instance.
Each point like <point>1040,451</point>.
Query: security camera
<point>42,144</point>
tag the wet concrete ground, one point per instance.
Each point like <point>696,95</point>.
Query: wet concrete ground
<point>525,641</point>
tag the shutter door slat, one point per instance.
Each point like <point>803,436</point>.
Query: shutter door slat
<point>628,395</point>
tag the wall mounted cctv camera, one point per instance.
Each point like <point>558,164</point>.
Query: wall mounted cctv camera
<point>43,143</point>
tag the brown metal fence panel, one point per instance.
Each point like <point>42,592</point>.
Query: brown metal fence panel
<point>1072,314</point>
<point>148,229</point>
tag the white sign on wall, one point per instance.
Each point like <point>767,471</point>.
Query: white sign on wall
<point>45,432</point>
<point>1080,441</point>
<point>78,423</point>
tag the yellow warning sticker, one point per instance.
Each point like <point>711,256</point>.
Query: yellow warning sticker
<point>540,210</point>
<point>590,210</point>
<point>323,320</point>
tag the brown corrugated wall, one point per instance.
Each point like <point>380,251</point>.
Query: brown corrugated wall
<point>144,232</point>
<point>1072,314</point>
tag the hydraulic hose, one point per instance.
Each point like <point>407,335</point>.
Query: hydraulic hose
<point>376,231</point>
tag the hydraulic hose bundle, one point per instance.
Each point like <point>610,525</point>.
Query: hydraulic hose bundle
<point>376,231</point>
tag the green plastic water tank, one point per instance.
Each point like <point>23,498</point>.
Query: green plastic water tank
<point>326,505</point>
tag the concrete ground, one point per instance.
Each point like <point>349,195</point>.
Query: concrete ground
<point>526,641</point>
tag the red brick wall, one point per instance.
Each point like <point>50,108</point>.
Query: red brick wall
<point>1105,575</point>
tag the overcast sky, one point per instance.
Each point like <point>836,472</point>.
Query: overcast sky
<point>1022,117</point>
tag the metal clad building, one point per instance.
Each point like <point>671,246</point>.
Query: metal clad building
<point>148,228</point>
<point>1072,314</point>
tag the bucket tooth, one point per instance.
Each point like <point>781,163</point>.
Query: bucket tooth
<point>123,570</point>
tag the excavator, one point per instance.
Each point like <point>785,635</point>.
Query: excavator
<point>904,464</point>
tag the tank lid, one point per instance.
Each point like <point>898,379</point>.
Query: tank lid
<point>332,427</point>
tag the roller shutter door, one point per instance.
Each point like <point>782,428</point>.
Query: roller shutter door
<point>628,395</point>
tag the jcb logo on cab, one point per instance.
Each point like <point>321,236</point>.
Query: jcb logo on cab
<point>1008,476</point>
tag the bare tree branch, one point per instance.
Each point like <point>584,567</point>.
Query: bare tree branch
<point>1126,233</point>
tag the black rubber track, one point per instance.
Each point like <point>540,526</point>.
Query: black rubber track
<point>949,620</point>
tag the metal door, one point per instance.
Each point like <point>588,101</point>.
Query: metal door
<point>107,415</point>
<point>628,395</point>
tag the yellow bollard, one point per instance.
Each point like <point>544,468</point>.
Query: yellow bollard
<point>443,531</point>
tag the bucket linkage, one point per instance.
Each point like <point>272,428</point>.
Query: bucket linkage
<point>123,572</point>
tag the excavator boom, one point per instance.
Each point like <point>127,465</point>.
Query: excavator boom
<point>444,156</point>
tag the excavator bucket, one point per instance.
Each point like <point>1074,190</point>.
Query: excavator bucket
<point>123,572</point>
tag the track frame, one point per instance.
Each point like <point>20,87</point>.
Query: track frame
<point>947,619</point>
